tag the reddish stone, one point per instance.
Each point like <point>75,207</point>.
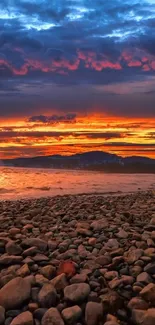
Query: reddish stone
<point>68,268</point>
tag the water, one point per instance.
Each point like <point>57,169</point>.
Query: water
<point>17,183</point>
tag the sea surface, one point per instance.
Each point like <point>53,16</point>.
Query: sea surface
<point>19,183</point>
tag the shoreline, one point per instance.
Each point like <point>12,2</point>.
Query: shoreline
<point>104,194</point>
<point>83,170</point>
<point>82,259</point>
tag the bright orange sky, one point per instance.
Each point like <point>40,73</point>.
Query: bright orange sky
<point>69,135</point>
<point>77,76</point>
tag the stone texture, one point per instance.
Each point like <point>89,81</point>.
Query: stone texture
<point>14,293</point>
<point>133,255</point>
<point>77,292</point>
<point>138,303</point>
<point>141,317</point>
<point>12,248</point>
<point>144,277</point>
<point>47,296</point>
<point>148,293</point>
<point>24,318</point>
<point>59,282</point>
<point>39,243</point>
<point>93,313</point>
<point>48,271</point>
<point>71,314</point>
<point>10,259</point>
<point>52,317</point>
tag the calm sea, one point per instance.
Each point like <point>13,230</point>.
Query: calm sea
<point>17,183</point>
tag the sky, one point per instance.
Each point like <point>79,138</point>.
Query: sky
<point>77,76</point>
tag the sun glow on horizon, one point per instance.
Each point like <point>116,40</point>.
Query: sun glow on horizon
<point>119,135</point>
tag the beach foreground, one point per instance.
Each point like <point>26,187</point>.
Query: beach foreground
<point>78,259</point>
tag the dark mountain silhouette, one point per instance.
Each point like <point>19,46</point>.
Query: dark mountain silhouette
<point>94,160</point>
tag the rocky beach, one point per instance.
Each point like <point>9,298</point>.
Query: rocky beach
<point>78,259</point>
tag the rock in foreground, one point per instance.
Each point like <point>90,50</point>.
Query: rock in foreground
<point>78,260</point>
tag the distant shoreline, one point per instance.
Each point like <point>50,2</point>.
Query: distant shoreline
<point>85,169</point>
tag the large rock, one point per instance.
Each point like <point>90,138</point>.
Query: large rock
<point>52,317</point>
<point>47,296</point>
<point>71,314</point>
<point>93,313</point>
<point>24,318</point>
<point>141,317</point>
<point>148,292</point>
<point>77,292</point>
<point>14,293</point>
<point>39,243</point>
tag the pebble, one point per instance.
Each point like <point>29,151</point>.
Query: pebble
<point>93,313</point>
<point>141,317</point>
<point>59,282</point>
<point>144,277</point>
<point>71,314</point>
<point>138,303</point>
<point>24,318</point>
<point>52,317</point>
<point>47,296</point>
<point>81,260</point>
<point>12,248</point>
<point>48,271</point>
<point>77,292</point>
<point>37,242</point>
<point>148,293</point>
<point>78,278</point>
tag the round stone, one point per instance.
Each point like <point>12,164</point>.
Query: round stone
<point>77,292</point>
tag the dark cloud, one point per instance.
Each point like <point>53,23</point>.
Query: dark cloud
<point>68,118</point>
<point>6,134</point>
<point>46,46</point>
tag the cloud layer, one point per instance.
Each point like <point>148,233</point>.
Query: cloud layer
<point>62,60</point>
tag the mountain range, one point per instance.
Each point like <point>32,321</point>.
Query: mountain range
<point>94,160</point>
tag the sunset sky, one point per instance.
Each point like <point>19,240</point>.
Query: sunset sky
<point>76,76</point>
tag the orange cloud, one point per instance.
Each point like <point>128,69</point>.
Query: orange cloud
<point>116,135</point>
